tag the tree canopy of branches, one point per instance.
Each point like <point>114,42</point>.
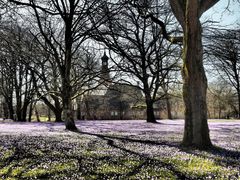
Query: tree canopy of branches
<point>16,79</point>
<point>143,55</point>
<point>223,51</point>
<point>62,27</point>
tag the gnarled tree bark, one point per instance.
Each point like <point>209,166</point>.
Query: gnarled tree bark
<point>188,13</point>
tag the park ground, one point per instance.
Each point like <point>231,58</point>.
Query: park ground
<point>116,150</point>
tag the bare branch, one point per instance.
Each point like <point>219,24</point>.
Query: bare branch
<point>178,8</point>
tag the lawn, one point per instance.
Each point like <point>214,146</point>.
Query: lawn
<point>116,150</point>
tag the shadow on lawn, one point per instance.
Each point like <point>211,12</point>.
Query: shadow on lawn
<point>147,160</point>
<point>39,150</point>
<point>227,157</point>
<point>125,139</point>
<point>221,156</point>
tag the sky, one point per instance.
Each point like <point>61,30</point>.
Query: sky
<point>226,17</point>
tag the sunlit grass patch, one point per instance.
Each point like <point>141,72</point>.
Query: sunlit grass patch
<point>6,153</point>
<point>45,170</point>
<point>133,168</point>
<point>198,167</point>
<point>5,170</point>
<point>42,118</point>
<point>35,168</point>
<point>14,169</point>
<point>154,172</point>
<point>17,171</point>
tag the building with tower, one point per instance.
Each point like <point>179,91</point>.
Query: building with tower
<point>112,100</point>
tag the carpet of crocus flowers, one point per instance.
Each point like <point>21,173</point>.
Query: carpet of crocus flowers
<point>130,149</point>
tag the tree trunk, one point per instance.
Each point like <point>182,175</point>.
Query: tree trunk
<point>79,113</point>
<point>9,101</point>
<point>67,113</point>
<point>58,115</point>
<point>196,131</point>
<point>209,114</point>
<point>30,112</point>
<point>49,114</point>
<point>24,112</point>
<point>56,107</point>
<point>238,103</point>
<point>11,111</point>
<point>88,114</point>
<point>37,114</point>
<point>5,110</point>
<point>219,112</point>
<point>169,109</point>
<point>150,111</point>
<point>18,106</point>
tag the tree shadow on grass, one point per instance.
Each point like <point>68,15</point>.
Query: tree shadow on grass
<point>125,139</point>
<point>147,160</point>
<point>227,157</point>
<point>223,156</point>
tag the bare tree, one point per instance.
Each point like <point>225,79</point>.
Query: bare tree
<point>224,54</point>
<point>221,100</point>
<point>143,55</point>
<point>188,13</point>
<point>71,19</point>
<point>7,86</point>
<point>15,46</point>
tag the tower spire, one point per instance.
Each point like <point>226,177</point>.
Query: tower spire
<point>105,72</point>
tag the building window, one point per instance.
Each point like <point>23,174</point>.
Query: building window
<point>114,113</point>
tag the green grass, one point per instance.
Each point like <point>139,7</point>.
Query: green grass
<point>88,157</point>
<point>28,169</point>
<point>224,120</point>
<point>45,170</point>
<point>93,166</point>
<point>42,119</point>
<point>198,167</point>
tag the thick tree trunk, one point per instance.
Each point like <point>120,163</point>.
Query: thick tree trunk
<point>11,111</point>
<point>58,115</point>
<point>9,102</point>
<point>196,131</point>
<point>24,112</point>
<point>19,115</point>
<point>67,113</point>
<point>18,106</point>
<point>150,111</point>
